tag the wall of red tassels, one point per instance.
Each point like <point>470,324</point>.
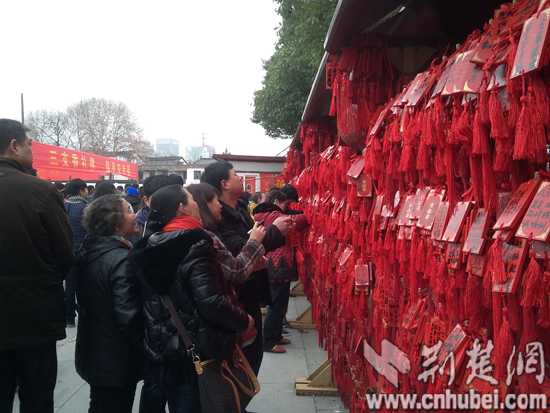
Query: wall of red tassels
<point>439,229</point>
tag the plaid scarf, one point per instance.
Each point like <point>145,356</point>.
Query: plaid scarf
<point>76,199</point>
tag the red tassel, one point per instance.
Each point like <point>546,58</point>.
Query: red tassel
<point>514,312</point>
<point>423,160</point>
<point>481,135</point>
<point>420,263</point>
<point>474,295</point>
<point>451,184</point>
<point>544,311</point>
<point>412,269</point>
<point>524,130</point>
<point>532,283</point>
<point>495,261</point>
<point>498,124</point>
<point>497,314</point>
<point>439,274</point>
<point>395,137</point>
<point>504,346</point>
<point>487,290</point>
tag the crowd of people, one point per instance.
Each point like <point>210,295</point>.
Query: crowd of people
<point>109,259</point>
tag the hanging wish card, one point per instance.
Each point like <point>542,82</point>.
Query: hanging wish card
<point>406,211</point>
<point>536,222</point>
<point>431,204</point>
<point>454,256</point>
<point>444,75</point>
<point>362,279</point>
<point>532,44</point>
<point>517,206</point>
<point>356,167</point>
<point>421,86</point>
<point>484,49</point>
<point>440,221</point>
<point>456,74</point>
<point>476,236</point>
<point>514,256</point>
<point>364,186</point>
<point>419,199</point>
<point>472,75</point>
<point>456,222</point>
<point>476,264</point>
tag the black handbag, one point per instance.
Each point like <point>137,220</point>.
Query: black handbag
<point>225,385</point>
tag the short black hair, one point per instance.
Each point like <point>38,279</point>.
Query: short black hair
<point>202,194</point>
<point>154,183</point>
<point>164,205</point>
<point>104,188</point>
<point>256,197</point>
<point>9,130</point>
<point>59,185</point>
<point>103,216</point>
<point>275,194</point>
<point>215,173</point>
<point>74,187</point>
<point>177,178</point>
<point>290,192</point>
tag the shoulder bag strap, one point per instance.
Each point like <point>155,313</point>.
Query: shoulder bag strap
<point>183,333</point>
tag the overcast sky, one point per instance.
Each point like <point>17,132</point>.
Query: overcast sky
<point>183,67</point>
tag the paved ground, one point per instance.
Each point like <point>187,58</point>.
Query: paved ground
<point>277,375</point>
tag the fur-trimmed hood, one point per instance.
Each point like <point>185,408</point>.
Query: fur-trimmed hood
<point>157,257</point>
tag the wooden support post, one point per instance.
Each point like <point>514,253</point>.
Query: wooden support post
<point>304,320</point>
<point>318,383</point>
<point>297,290</point>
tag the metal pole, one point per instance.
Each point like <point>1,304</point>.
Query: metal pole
<point>22,110</point>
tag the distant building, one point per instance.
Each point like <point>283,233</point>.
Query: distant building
<point>170,146</point>
<point>259,173</point>
<point>193,153</point>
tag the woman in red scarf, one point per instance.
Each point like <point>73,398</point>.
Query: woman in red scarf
<point>180,260</point>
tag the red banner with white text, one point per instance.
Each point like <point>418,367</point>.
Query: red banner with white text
<point>55,163</point>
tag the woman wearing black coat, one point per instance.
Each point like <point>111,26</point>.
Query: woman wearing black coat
<point>180,261</point>
<point>109,344</point>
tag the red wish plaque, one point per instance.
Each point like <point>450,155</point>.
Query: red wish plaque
<point>514,257</point>
<point>456,74</point>
<point>440,221</point>
<point>413,311</point>
<point>456,222</point>
<point>506,235</point>
<point>429,209</point>
<point>476,237</point>
<point>542,250</point>
<point>470,74</point>
<point>436,331</point>
<point>532,44</point>
<point>456,343</point>
<point>476,264</point>
<point>381,118</point>
<point>484,49</point>
<point>356,168</point>
<point>500,23</point>
<point>498,78</point>
<point>536,222</point>
<point>377,209</point>
<point>419,199</point>
<point>454,256</point>
<point>517,206</point>
<point>444,75</point>
<point>364,186</point>
<point>362,279</point>
<point>406,211</point>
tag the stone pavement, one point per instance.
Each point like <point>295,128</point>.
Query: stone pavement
<point>277,375</point>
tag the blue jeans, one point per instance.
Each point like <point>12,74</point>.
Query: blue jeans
<point>183,398</point>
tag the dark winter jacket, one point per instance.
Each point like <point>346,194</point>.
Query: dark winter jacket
<point>36,253</point>
<point>183,264</point>
<point>134,200</point>
<point>75,209</point>
<point>281,264</point>
<point>109,343</point>
<point>142,220</point>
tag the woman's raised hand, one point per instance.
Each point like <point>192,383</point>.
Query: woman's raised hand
<point>258,232</point>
